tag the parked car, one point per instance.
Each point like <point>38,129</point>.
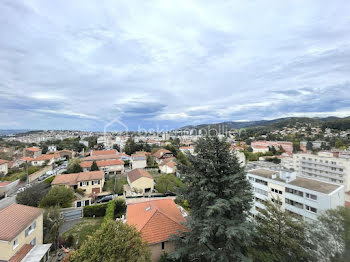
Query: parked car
<point>41,178</point>
<point>105,199</point>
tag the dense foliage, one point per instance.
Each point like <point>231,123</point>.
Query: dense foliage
<point>99,210</point>
<point>220,198</point>
<point>58,196</point>
<point>168,182</point>
<point>113,242</point>
<point>52,222</point>
<point>94,166</point>
<point>33,195</point>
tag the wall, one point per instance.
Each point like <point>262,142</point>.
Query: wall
<point>4,169</point>
<point>139,163</point>
<point>143,183</point>
<point>6,248</point>
<point>39,173</point>
<point>156,249</point>
<point>88,189</point>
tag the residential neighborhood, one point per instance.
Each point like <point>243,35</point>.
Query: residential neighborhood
<point>174,131</point>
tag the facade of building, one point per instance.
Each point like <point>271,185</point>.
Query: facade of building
<point>90,182</point>
<point>140,181</point>
<point>52,148</point>
<point>32,152</point>
<point>4,167</point>
<point>324,166</point>
<point>162,154</point>
<point>157,220</point>
<point>113,166</point>
<point>300,196</point>
<point>138,160</point>
<point>168,167</point>
<point>21,233</point>
<point>49,159</point>
<point>287,146</point>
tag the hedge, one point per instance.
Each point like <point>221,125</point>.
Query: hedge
<point>110,211</point>
<point>49,180</point>
<point>116,207</point>
<point>98,210</point>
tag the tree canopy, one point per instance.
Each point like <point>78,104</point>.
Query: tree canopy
<point>33,195</point>
<point>168,182</point>
<point>94,166</point>
<point>58,196</point>
<point>220,198</point>
<point>113,242</point>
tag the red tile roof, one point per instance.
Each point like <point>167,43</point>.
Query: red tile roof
<point>73,179</point>
<point>103,152</point>
<point>137,173</point>
<point>21,253</point>
<point>101,157</point>
<point>3,161</point>
<point>161,152</point>
<point>29,159</point>
<point>112,162</point>
<point>157,220</point>
<point>46,157</point>
<point>15,218</point>
<point>33,149</point>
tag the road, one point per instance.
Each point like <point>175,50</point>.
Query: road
<point>7,201</point>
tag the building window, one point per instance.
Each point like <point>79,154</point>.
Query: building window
<point>294,191</point>
<point>311,209</point>
<point>15,243</point>
<point>276,191</point>
<point>30,229</point>
<point>260,191</point>
<point>95,182</point>
<point>276,201</point>
<point>261,181</point>
<point>85,183</point>
<point>33,242</point>
<point>311,196</point>
<point>251,178</point>
<point>294,203</point>
<point>163,245</point>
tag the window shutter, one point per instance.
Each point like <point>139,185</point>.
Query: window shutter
<point>98,181</point>
<point>81,183</point>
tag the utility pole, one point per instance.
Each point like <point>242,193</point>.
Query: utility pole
<point>27,172</point>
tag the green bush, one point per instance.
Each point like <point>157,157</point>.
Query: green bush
<point>110,211</point>
<point>58,196</point>
<point>98,210</point>
<point>49,180</point>
<point>118,208</point>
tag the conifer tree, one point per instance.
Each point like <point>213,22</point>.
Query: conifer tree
<point>220,198</point>
<point>94,166</point>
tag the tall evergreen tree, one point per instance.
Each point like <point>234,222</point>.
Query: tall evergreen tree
<point>94,166</point>
<point>220,198</point>
<point>280,237</point>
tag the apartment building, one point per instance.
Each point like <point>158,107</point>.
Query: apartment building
<point>300,196</point>
<point>325,167</point>
<point>21,234</point>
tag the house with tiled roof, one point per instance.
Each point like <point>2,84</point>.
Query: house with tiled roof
<point>108,166</point>
<point>187,149</point>
<point>21,234</point>
<point>32,152</point>
<point>103,152</point>
<point>90,182</point>
<point>49,159</point>
<point>138,160</point>
<point>4,165</point>
<point>162,154</point>
<point>168,166</point>
<point>158,221</point>
<point>139,182</point>
<point>101,157</point>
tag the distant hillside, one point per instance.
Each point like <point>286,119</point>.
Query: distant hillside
<point>332,122</point>
<point>6,132</point>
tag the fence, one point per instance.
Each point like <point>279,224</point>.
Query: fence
<point>72,213</point>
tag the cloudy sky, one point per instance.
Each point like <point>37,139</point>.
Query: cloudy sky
<point>90,64</point>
